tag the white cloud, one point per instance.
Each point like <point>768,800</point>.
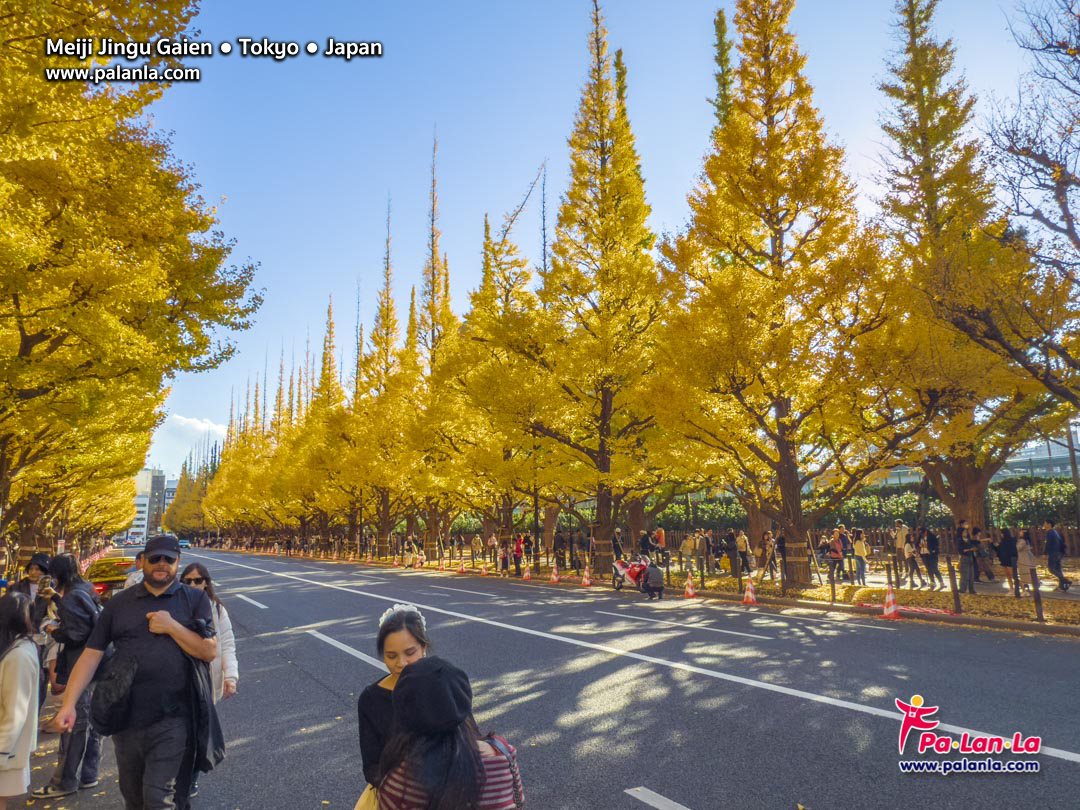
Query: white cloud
<point>177,437</point>
<point>199,426</point>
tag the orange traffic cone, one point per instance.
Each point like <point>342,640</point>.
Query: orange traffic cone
<point>528,573</point>
<point>688,591</point>
<point>442,565</point>
<point>461,566</point>
<point>555,572</point>
<point>750,597</point>
<point>483,570</point>
<point>890,604</point>
<point>585,581</point>
<point>396,562</point>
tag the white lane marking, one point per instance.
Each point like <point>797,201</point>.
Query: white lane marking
<point>252,601</point>
<point>643,794</point>
<point>684,625</point>
<point>355,653</point>
<point>462,590</point>
<point>889,714</point>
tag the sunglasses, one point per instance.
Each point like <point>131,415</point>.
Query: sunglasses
<point>193,581</point>
<point>157,558</point>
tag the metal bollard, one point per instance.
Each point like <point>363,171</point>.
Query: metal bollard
<point>952,584</point>
<point>1038,596</point>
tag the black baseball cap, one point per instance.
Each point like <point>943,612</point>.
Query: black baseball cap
<point>162,544</point>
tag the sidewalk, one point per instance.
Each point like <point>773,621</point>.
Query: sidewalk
<point>998,587</point>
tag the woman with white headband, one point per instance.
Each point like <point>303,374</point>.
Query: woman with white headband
<point>402,639</point>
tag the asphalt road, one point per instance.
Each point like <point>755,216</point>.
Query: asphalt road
<point>706,705</point>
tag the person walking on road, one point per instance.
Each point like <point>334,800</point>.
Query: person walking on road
<point>19,668</point>
<point>402,639</point>
<point>162,630</point>
<point>1055,553</point>
<point>79,751</point>
<point>225,669</point>
<point>437,759</point>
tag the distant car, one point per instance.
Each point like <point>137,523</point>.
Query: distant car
<point>107,575</point>
<point>185,543</point>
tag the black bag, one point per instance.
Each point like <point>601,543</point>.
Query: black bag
<point>209,741</point>
<point>110,706</point>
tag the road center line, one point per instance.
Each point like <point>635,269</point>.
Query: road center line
<point>462,590</point>
<point>355,653</point>
<point>684,625</point>
<point>889,714</point>
<point>643,794</point>
<point>249,599</point>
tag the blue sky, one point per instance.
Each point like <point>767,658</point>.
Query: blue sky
<point>300,155</point>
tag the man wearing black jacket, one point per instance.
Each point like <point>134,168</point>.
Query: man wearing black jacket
<point>1055,552</point>
<point>155,627</point>
<point>80,748</point>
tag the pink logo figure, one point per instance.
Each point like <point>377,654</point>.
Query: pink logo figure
<point>915,715</point>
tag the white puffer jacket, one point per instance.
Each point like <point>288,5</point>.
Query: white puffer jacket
<point>225,665</point>
<point>19,672</point>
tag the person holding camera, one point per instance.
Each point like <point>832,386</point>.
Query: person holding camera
<point>80,747</point>
<point>39,587</point>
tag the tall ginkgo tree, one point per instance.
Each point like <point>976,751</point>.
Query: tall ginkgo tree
<point>940,210</point>
<point>777,350</point>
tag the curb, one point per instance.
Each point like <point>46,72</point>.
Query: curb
<point>1071,630</point>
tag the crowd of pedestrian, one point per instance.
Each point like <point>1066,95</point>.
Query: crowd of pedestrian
<point>145,669</point>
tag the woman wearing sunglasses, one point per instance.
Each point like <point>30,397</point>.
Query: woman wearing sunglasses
<point>224,669</point>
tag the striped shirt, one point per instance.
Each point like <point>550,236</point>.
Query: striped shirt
<point>397,792</point>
